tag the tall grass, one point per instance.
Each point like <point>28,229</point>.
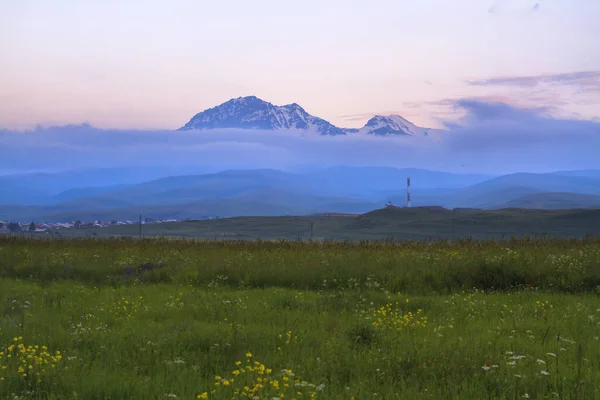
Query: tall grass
<point>569,265</point>
<point>159,319</point>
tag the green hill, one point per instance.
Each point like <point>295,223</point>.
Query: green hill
<point>398,223</point>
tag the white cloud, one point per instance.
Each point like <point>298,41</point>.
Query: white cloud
<point>492,138</point>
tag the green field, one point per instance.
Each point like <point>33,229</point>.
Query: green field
<point>171,318</point>
<point>417,223</point>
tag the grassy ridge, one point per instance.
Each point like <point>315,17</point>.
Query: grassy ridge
<point>416,223</point>
<point>159,319</point>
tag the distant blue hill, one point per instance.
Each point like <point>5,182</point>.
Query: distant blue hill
<point>263,192</point>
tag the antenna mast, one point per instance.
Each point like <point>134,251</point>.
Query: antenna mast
<point>408,191</point>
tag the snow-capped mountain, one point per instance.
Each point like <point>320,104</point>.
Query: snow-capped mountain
<point>391,125</point>
<point>253,113</point>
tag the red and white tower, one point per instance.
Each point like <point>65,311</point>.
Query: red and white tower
<point>408,191</point>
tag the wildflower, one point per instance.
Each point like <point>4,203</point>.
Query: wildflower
<point>544,372</point>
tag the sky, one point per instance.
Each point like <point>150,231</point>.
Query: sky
<point>146,64</point>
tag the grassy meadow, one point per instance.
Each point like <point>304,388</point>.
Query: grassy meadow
<point>186,319</point>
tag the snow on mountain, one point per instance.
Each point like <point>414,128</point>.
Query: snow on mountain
<point>253,113</point>
<point>391,125</point>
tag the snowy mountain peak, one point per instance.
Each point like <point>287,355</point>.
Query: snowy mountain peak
<point>390,125</point>
<point>247,100</point>
<point>253,113</point>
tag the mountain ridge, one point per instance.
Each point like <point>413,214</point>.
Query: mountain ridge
<point>251,112</point>
<point>334,189</point>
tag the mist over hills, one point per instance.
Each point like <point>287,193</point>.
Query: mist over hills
<point>484,137</point>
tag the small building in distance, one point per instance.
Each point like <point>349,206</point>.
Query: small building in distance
<point>389,204</point>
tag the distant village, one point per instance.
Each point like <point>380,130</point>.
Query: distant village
<point>35,227</point>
